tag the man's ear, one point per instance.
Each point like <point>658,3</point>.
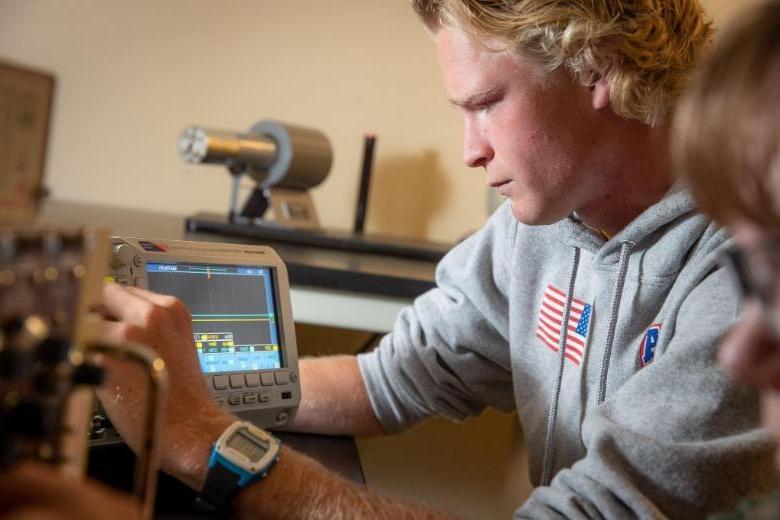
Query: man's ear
<point>599,92</point>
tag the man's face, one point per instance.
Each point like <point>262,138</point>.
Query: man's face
<point>535,137</point>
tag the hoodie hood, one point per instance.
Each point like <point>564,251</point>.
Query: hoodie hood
<point>676,204</point>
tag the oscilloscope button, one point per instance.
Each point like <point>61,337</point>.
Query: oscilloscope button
<point>264,397</point>
<point>252,380</point>
<point>234,399</point>
<point>282,378</point>
<point>236,380</point>
<point>267,378</point>
<point>220,382</point>
<point>250,398</point>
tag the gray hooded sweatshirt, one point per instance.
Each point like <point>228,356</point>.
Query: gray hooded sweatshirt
<point>625,411</point>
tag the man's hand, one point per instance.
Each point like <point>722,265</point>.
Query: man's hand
<point>298,487</point>
<point>34,491</point>
<point>751,354</point>
<point>750,351</point>
<point>192,420</point>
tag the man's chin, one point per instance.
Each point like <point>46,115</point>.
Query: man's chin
<point>533,216</point>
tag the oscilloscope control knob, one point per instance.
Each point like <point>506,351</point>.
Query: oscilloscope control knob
<point>121,261</point>
<point>116,260</point>
<point>123,254</point>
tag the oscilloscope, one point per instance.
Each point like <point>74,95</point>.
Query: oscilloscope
<point>239,299</point>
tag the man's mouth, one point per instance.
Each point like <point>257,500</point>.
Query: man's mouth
<point>498,184</point>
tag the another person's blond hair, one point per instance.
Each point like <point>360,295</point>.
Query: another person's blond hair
<point>646,48</point>
<point>727,129</point>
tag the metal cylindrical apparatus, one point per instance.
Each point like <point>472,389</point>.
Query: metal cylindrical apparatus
<point>273,153</point>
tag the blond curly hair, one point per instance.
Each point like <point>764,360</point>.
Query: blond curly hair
<point>646,49</point>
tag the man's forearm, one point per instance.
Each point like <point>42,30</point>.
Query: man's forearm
<point>300,488</point>
<point>334,399</point>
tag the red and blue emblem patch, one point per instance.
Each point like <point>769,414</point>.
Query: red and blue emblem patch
<point>649,344</point>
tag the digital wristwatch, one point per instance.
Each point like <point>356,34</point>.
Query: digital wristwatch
<point>243,454</point>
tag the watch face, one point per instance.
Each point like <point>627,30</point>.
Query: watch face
<point>250,447</point>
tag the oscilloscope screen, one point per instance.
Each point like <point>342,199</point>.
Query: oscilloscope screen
<point>234,315</point>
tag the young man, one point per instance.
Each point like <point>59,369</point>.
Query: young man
<point>566,106</point>
<point>591,303</point>
<point>728,146</point>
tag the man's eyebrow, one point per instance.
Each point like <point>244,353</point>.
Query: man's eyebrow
<point>478,98</point>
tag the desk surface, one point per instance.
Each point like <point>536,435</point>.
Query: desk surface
<point>338,288</point>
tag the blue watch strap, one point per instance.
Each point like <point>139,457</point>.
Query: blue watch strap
<point>223,480</point>
<point>221,484</point>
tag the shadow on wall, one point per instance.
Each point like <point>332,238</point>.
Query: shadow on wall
<point>406,192</point>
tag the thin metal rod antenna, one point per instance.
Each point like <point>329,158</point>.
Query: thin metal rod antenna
<point>365,182</point>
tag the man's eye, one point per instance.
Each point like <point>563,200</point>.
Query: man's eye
<point>487,105</point>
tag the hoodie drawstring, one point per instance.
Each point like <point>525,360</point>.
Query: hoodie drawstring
<point>549,444</point>
<point>625,250</point>
<point>549,441</point>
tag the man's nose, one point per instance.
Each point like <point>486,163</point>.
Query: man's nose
<point>477,150</point>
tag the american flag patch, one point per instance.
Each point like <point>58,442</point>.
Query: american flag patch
<point>551,316</point>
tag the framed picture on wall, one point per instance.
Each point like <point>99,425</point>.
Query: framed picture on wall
<point>25,108</point>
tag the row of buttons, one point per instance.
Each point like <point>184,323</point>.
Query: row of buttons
<point>235,400</point>
<point>223,381</point>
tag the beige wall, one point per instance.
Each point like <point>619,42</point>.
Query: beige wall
<point>131,75</point>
